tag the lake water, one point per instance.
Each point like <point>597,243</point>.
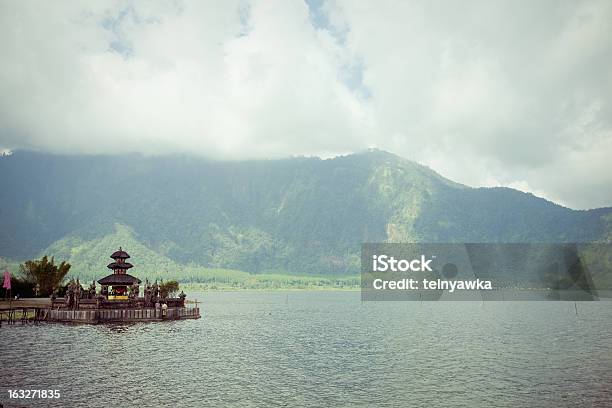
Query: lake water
<point>321,349</point>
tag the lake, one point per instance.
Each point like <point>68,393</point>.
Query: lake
<point>320,349</point>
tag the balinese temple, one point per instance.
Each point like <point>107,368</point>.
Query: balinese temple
<point>116,284</point>
<point>119,299</point>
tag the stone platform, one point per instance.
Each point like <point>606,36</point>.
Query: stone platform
<point>122,315</point>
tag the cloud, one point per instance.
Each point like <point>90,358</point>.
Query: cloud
<point>231,80</point>
<point>519,93</point>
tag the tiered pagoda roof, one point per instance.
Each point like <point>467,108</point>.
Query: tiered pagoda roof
<point>117,265</point>
<point>120,254</point>
<point>119,277</point>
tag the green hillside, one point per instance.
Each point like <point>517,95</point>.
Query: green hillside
<point>199,220</point>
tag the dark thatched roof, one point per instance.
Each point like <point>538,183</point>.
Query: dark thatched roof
<point>117,265</point>
<point>120,254</point>
<point>119,279</point>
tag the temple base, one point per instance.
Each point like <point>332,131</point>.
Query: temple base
<point>122,315</point>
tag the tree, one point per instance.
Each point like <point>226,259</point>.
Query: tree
<point>21,287</point>
<point>169,288</point>
<point>44,274</point>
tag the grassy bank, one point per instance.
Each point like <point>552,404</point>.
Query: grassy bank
<point>233,280</point>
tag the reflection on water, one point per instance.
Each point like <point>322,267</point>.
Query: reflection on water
<point>323,349</point>
<point>117,327</point>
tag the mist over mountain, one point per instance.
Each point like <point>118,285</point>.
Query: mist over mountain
<point>297,215</point>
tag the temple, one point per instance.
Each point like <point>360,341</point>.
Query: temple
<point>119,299</point>
<point>119,280</point>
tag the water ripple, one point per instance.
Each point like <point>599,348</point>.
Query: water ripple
<point>319,349</point>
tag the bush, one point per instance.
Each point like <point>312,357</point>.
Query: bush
<point>168,289</point>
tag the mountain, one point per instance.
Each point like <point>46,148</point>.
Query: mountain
<point>300,215</point>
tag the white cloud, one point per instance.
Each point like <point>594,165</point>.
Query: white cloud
<point>182,77</point>
<point>517,92</point>
<point>520,92</point>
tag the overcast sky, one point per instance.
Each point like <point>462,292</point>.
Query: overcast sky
<point>487,93</point>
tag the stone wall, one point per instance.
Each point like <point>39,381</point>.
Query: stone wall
<point>122,315</point>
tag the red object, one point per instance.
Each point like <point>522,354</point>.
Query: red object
<point>7,280</point>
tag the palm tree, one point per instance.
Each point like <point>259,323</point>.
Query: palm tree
<point>45,274</point>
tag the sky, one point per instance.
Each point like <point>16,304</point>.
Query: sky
<point>487,93</point>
